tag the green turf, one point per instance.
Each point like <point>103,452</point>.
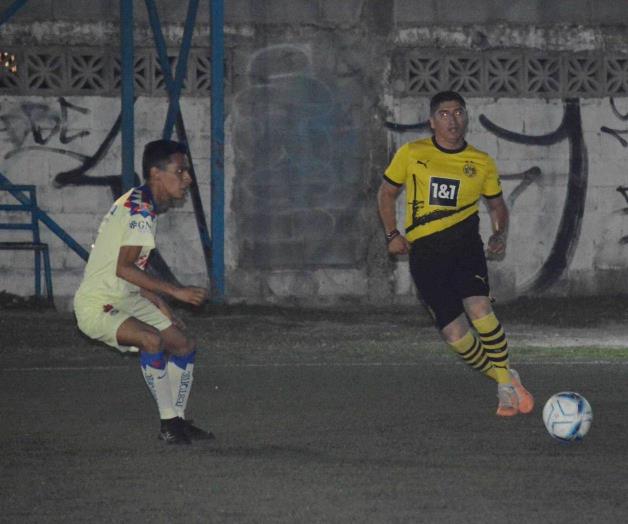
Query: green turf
<point>588,353</point>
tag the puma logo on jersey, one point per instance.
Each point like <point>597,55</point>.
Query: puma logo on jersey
<point>424,164</point>
<point>483,279</point>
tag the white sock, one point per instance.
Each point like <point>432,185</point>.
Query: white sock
<point>156,377</point>
<point>181,373</point>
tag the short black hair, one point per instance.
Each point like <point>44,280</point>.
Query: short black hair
<point>158,153</point>
<point>445,96</point>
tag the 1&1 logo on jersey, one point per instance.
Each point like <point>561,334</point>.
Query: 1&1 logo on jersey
<point>444,192</point>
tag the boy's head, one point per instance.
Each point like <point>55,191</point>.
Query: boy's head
<point>159,154</point>
<point>445,96</point>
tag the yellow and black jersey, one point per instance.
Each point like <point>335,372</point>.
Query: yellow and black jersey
<point>443,187</point>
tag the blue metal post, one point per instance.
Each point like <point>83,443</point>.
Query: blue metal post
<point>35,226</point>
<point>217,149</point>
<point>11,10</point>
<point>174,91</point>
<point>181,69</point>
<point>128,74</point>
<point>175,86</point>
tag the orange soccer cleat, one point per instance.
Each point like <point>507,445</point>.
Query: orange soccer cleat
<point>508,405</point>
<point>526,400</point>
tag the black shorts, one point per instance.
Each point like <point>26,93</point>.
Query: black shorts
<point>448,266</point>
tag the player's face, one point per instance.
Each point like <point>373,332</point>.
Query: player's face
<point>449,123</point>
<point>176,177</point>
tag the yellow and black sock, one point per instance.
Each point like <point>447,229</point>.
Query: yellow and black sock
<point>495,344</point>
<point>470,349</point>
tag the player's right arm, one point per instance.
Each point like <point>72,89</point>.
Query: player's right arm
<point>127,270</point>
<point>386,204</point>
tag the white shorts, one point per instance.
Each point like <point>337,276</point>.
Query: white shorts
<point>102,321</point>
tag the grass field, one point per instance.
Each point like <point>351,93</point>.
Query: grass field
<point>352,415</point>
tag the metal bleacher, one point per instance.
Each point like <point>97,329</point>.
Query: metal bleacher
<point>26,198</point>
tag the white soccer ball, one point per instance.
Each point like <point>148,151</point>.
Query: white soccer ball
<point>567,416</point>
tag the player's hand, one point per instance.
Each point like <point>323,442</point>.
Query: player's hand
<point>163,306</point>
<point>192,295</point>
<point>496,247</point>
<point>177,322</point>
<point>398,245</point>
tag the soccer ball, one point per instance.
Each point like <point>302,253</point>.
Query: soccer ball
<point>567,416</point>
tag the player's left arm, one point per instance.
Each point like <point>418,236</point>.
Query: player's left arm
<point>127,270</point>
<point>163,306</point>
<point>498,211</point>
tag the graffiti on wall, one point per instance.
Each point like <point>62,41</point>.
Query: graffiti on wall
<point>298,167</point>
<point>78,176</point>
<point>32,126</point>
<point>568,233</point>
<point>37,126</point>
<point>617,133</point>
<point>566,238</point>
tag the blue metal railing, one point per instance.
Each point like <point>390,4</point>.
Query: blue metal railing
<point>214,246</point>
<point>40,249</point>
<point>215,267</point>
<point>217,177</point>
<point>126,95</point>
<point>42,216</point>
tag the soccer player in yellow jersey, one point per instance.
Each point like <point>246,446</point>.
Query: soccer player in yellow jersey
<point>119,303</point>
<point>444,178</point>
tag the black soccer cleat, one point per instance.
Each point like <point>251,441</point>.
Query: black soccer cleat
<point>195,433</point>
<point>172,432</point>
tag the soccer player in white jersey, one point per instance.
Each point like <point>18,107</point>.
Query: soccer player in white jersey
<point>119,303</point>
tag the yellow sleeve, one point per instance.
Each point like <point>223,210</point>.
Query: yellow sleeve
<point>396,172</point>
<point>492,185</point>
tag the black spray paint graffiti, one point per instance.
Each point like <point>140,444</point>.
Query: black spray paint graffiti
<point>617,132</point>
<point>78,176</point>
<point>526,179</point>
<point>623,190</point>
<point>568,232</point>
<point>44,124</point>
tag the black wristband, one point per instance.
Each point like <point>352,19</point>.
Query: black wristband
<point>394,233</point>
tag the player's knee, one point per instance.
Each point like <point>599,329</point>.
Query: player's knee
<point>455,330</point>
<point>452,336</point>
<point>151,341</point>
<point>189,346</point>
<point>477,307</point>
<point>183,347</point>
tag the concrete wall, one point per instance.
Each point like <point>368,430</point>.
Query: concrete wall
<point>568,226</point>
<point>319,95</point>
<point>49,146</point>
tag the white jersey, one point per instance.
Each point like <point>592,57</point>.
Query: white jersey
<point>131,221</point>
